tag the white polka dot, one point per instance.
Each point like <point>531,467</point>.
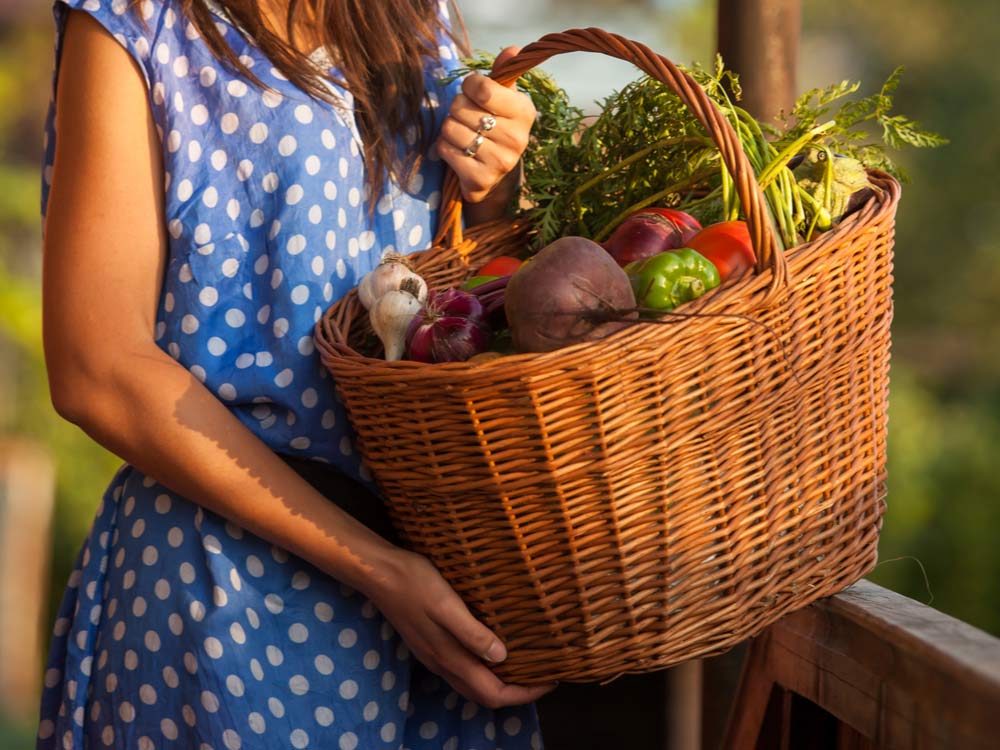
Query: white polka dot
<point>170,678</point>
<point>276,707</point>
<point>274,604</point>
<point>194,151</point>
<point>347,638</point>
<point>163,53</point>
<point>490,731</point>
<point>300,294</point>
<point>343,167</point>
<point>293,195</point>
<point>219,596</point>
<point>312,164</point>
<point>324,716</point>
<point>207,76</point>
<point>169,729</point>
<point>184,190</point>
<point>258,132</point>
<point>231,740</point>
<point>236,88</point>
<point>210,197</point>
<point>127,712</point>
<point>150,555</point>
<point>299,739</point>
<point>199,114</point>
<point>270,182</point>
<point>348,689</point>
<point>304,114</point>
<point>354,196</point>
<point>243,171</point>
<point>416,234</point>
<point>342,218</point>
<point>173,141</point>
<point>298,684</point>
<point>227,391</point>
<point>280,328</point>
<point>237,633</point>
<point>388,733</point>
<point>370,712</point>
<point>366,240</point>
<point>208,297</point>
<point>229,123</point>
<point>235,685</point>
<point>213,647</point>
<point>257,723</point>
<point>272,98</point>
<point>323,664</point>
<point>216,346</point>
<point>300,581</point>
<point>181,66</point>
<point>330,190</point>
<point>233,209</point>
<point>187,572</point>
<point>287,145</point>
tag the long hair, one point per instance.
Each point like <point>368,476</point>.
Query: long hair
<point>381,49</point>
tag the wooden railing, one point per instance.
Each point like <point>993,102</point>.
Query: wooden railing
<point>868,669</point>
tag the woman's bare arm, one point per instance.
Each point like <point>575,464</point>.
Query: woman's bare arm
<point>105,252</point>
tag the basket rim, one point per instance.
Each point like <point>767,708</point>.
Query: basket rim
<point>750,284</point>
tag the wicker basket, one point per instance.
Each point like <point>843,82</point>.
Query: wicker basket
<point>669,491</point>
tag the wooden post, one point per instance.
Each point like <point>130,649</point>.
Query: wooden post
<point>759,39</point>
<point>27,490</point>
<point>684,695</point>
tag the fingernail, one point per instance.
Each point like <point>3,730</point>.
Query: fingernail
<point>496,652</point>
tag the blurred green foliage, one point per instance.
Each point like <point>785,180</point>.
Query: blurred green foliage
<point>944,502</point>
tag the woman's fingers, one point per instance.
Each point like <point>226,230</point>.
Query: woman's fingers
<point>476,178</point>
<point>453,616</point>
<point>498,100</point>
<point>491,153</point>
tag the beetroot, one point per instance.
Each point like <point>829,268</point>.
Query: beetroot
<point>571,291</point>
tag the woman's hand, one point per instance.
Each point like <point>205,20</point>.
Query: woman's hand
<point>441,632</point>
<point>502,116</point>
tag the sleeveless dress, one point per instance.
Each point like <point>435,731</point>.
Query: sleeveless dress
<point>178,629</point>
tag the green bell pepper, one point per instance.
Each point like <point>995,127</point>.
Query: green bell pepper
<point>668,280</point>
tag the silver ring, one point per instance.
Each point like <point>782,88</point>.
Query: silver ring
<point>487,123</point>
<point>473,147</point>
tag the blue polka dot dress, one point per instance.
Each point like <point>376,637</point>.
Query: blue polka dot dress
<point>178,629</point>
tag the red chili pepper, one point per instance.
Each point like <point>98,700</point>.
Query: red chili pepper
<point>727,245</point>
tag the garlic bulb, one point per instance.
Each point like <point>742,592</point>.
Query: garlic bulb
<point>387,277</point>
<point>390,318</point>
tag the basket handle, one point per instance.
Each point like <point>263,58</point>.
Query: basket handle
<point>693,96</point>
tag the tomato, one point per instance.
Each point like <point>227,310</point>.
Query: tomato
<point>727,245</point>
<point>502,265</point>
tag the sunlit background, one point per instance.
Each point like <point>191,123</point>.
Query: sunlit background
<point>944,470</point>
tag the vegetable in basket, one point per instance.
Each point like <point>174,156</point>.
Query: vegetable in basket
<point>727,244</point>
<point>389,275</point>
<point>391,316</point>
<point>670,279</point>
<point>502,265</point>
<point>571,291</point>
<point>451,328</point>
<point>650,232</point>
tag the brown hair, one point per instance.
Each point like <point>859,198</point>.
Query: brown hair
<point>381,49</point>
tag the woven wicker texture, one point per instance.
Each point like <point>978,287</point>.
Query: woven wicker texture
<point>665,493</point>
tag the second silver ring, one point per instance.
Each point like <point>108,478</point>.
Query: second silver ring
<point>473,148</point>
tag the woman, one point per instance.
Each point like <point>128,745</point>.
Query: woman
<point>216,177</point>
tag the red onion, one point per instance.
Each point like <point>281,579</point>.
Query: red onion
<point>650,232</point>
<point>451,328</point>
